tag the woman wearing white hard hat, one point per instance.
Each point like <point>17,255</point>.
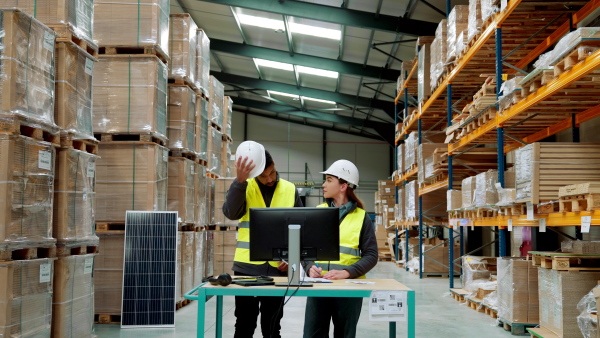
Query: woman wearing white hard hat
<point>358,255</point>
<point>257,185</point>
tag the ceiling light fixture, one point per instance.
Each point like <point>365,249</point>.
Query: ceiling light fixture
<point>274,64</point>
<point>318,72</point>
<point>298,28</point>
<point>318,100</point>
<point>256,21</point>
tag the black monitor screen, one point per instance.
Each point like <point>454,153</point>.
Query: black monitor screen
<point>319,239</point>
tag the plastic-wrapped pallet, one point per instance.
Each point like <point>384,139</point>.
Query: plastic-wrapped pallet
<point>410,151</point>
<point>225,243</point>
<point>399,208</point>
<point>209,253</point>
<point>76,14</point>
<point>210,196</point>
<point>400,158</point>
<point>511,93</point>
<point>216,100</point>
<point>180,194</point>
<point>132,23</point>
<point>454,198</point>
<point>227,115</point>
<point>108,273</point>
<point>181,123</point>
<point>439,51</point>
<point>468,191</point>
<point>27,53</point>
<point>474,22</point>
<point>457,22</point>
<point>221,187</point>
<point>182,47</point>
<point>568,42</point>
<point>199,255</point>
<point>425,150</point>
<point>485,188</point>
<point>462,41</point>
<point>202,127</point>
<point>588,309</point>
<point>488,8</point>
<point>215,138</point>
<point>410,193</point>
<point>130,95</point>
<point>559,294</point>
<point>26,306</point>
<point>73,298</point>
<point>200,192</point>
<point>225,158</point>
<point>518,299</point>
<point>130,176</point>
<point>424,71</point>
<point>476,271</point>
<point>74,196</point>
<point>187,261</point>
<point>26,191</point>
<point>405,68</point>
<point>73,102</point>
<point>202,61</point>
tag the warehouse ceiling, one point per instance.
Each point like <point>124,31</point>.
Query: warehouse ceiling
<point>330,64</point>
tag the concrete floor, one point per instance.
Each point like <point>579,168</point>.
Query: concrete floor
<point>437,315</point>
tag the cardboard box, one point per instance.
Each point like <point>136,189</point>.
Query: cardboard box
<point>424,71</point>
<point>181,196</point>
<point>26,185</point>
<point>182,47</point>
<point>201,127</point>
<point>458,21</point>
<point>199,257</point>
<point>386,188</point>
<point>108,273</point>
<point>468,191</point>
<point>74,196</point>
<point>559,293</point>
<point>200,195</point>
<point>187,261</point>
<point>73,95</point>
<point>517,290</point>
<point>214,150</point>
<point>454,199</point>
<point>132,23</point>
<point>225,158</point>
<point>202,61</point>
<point>130,94</point>
<point>130,176</point>
<point>181,124</point>
<point>216,94</point>
<point>225,243</point>
<point>227,115</point>
<point>221,187</point>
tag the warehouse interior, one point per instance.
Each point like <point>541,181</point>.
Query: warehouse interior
<point>473,125</point>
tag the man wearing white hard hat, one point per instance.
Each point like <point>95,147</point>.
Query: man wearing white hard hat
<point>358,255</point>
<point>257,185</point>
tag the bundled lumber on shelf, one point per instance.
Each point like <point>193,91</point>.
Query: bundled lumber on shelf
<point>542,168</point>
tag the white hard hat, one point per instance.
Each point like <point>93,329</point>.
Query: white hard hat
<point>345,170</point>
<point>255,152</point>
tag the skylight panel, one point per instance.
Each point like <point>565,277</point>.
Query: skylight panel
<point>256,21</point>
<point>318,72</point>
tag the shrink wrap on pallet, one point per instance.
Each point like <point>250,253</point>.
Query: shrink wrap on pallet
<point>215,138</point>
<point>511,93</point>
<point>485,188</point>
<point>488,8</point>
<point>424,72</point>
<point>410,191</point>
<point>130,95</point>
<point>201,197</point>
<point>410,151</point>
<point>399,208</point>
<point>477,271</point>
<point>130,176</point>
<point>199,259</point>
<point>405,69</point>
<point>227,115</point>
<point>202,125</point>
<point>517,290</point>
<point>454,198</point>
<point>568,42</point>
<point>468,187</point>
<point>182,47</point>
<point>216,100</point>
<point>181,124</point>
<point>27,69</point>
<point>74,196</point>
<point>209,254</point>
<point>187,261</point>
<point>588,309</point>
<point>475,23</point>
<point>225,158</point>
<point>129,23</point>
<point>439,51</point>
<point>202,61</point>
<point>457,22</point>
<point>26,191</point>
<point>400,158</point>
<point>181,196</point>
<point>108,273</point>
<point>221,187</point>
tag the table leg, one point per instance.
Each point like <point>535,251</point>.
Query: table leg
<point>392,329</point>
<point>219,323</point>
<point>411,314</point>
<point>201,313</point>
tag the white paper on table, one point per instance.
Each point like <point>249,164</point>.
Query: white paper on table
<point>388,306</point>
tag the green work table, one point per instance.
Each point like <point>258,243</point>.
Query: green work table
<point>339,288</point>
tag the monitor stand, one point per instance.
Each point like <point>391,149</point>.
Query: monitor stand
<point>294,258</point>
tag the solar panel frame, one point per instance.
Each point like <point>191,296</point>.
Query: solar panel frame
<point>149,269</point>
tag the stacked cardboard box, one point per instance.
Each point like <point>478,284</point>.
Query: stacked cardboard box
<point>130,176</point>
<point>434,203</point>
<point>202,62</point>
<point>457,22</point>
<point>424,67</point>
<point>387,198</point>
<point>518,300</point>
<point>202,127</point>
<point>215,141</point>
<point>221,187</point>
<point>181,196</point>
<point>132,23</point>
<point>200,195</point>
<point>26,191</point>
<point>74,196</point>
<point>227,116</point>
<point>225,243</point>
<point>26,298</point>
<point>73,299</point>
<point>27,73</point>
<point>187,261</point>
<point>225,158</point>
<point>181,124</point>
<point>130,95</point>
<point>73,101</point>
<point>439,51</point>
<point>108,273</point>
<point>424,151</point>
<point>559,293</point>
<point>474,23</point>
<point>210,196</point>
<point>199,257</point>
<point>182,47</point>
<point>437,255</point>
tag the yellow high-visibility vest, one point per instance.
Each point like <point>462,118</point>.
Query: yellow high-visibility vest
<point>284,197</point>
<point>349,239</point>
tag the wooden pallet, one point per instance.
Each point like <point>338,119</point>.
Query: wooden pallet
<point>516,329</point>
<point>18,125</point>
<point>577,203</point>
<point>485,212</point>
<point>107,319</point>
<point>182,303</point>
<point>490,312</point>
<point>212,175</point>
<point>535,82</point>
<point>184,81</point>
<point>34,252</point>
<point>66,33</point>
<point>474,303</point>
<point>109,226</point>
<point>187,227</point>
<point>155,50</point>
<point>579,189</point>
<point>577,55</point>
<point>565,261</point>
<point>216,126</point>
<point>64,250</point>
<point>384,256</point>
<point>511,210</point>
<point>123,137</point>
<point>540,332</point>
<point>216,227</point>
<point>70,141</point>
<point>459,295</point>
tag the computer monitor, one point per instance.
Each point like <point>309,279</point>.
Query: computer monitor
<point>317,231</point>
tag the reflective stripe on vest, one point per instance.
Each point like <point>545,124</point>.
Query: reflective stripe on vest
<point>284,197</point>
<point>349,240</point>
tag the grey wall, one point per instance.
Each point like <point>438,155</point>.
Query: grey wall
<point>293,146</point>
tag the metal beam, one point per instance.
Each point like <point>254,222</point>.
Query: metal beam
<point>303,60</point>
<point>337,15</point>
<point>387,106</point>
<point>385,130</point>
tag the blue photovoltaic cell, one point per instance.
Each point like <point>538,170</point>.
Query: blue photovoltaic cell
<point>149,269</point>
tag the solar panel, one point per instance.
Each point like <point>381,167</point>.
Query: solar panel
<point>149,269</point>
